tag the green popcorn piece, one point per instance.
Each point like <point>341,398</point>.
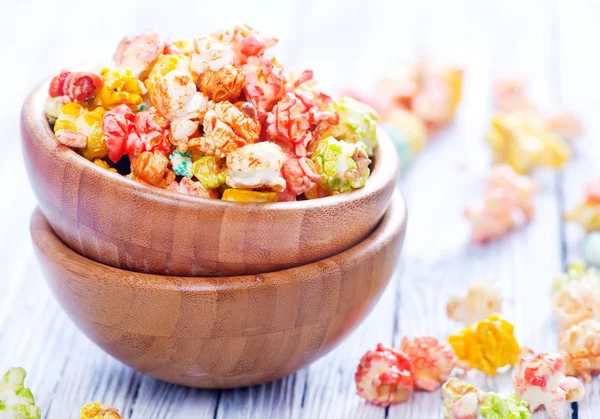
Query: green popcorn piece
<point>16,401</point>
<point>402,144</point>
<point>358,122</point>
<point>504,406</point>
<point>182,163</point>
<point>576,271</point>
<point>342,165</point>
<point>209,170</point>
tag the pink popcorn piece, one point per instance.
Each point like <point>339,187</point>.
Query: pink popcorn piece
<point>384,377</point>
<point>264,84</point>
<point>540,381</point>
<point>70,138</point>
<point>432,361</point>
<point>510,95</point>
<point>77,86</point>
<point>246,42</point>
<point>300,175</point>
<point>141,52</point>
<point>187,186</point>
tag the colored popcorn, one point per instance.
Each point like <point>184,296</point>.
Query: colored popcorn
<point>214,114</point>
<point>432,361</point>
<point>540,381</point>
<point>576,296</point>
<point>343,166</point>
<point>510,95</point>
<point>408,132</point>
<point>587,213</point>
<point>16,400</point>
<point>486,345</point>
<point>461,400</point>
<point>580,345</point>
<point>99,411</point>
<point>507,195</point>
<point>591,248</point>
<point>504,406</point>
<point>481,300</point>
<point>384,377</point>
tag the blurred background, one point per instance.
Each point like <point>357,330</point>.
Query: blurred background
<point>552,44</point>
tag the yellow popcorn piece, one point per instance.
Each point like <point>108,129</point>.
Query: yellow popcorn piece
<point>99,411</point>
<point>586,214</point>
<point>487,345</point>
<point>240,195</point>
<point>76,118</point>
<point>103,164</point>
<point>120,87</point>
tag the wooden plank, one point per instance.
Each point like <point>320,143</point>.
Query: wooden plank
<point>579,63</point>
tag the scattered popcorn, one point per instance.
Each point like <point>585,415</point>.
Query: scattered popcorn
<point>461,400</point>
<point>384,377</point>
<point>432,361</point>
<point>591,248</point>
<point>576,296</point>
<point>16,400</point>
<point>587,213</point>
<point>256,166</point>
<point>78,86</point>
<point>580,345</point>
<point>99,411</point>
<point>504,406</point>
<point>486,345</point>
<point>481,300</point>
<point>181,163</point>
<point>540,381</point>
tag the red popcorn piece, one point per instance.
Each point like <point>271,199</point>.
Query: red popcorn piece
<point>78,86</point>
<point>264,84</point>
<point>384,377</point>
<point>300,175</point>
<point>295,118</point>
<point>432,361</point>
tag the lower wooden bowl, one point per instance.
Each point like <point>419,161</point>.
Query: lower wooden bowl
<point>222,332</point>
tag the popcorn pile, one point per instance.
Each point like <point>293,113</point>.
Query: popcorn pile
<point>507,195</point>
<point>387,376</point>
<point>414,102</point>
<point>523,136</point>
<point>215,117</point>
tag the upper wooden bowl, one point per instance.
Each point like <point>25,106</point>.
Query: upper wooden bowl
<point>122,223</point>
<point>222,332</point>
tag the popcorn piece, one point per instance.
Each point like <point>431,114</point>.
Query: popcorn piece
<point>524,140</point>
<point>384,377</point>
<point>300,175</point>
<point>591,248</point>
<point>245,41</point>
<point>504,406</point>
<point>120,87</point>
<point>357,122</point>
<point>432,361</point>
<point>294,119</point>
<point>510,95</point>
<point>342,165</point>
<point>189,187</point>
<point>540,381</point>
<point>576,297</point>
<point>210,53</point>
<point>240,195</point>
<point>104,165</point>
<point>52,109</point>
<point>481,300</point>
<point>256,166</point>
<point>264,84</point>
<point>16,400</point>
<point>165,65</point>
<point>210,171</point>
<point>567,125</point>
<point>461,400</point>
<point>486,345</point>
<point>587,213</point>
<point>226,83</point>
<point>78,86</point>
<point>140,53</point>
<point>407,131</point>
<point>226,128</point>
<point>79,128</point>
<point>152,168</point>
<point>99,411</point>
<point>181,163</point>
<point>580,345</point>
<point>437,100</point>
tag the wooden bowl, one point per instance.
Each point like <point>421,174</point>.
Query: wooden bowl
<point>118,222</point>
<point>222,332</point>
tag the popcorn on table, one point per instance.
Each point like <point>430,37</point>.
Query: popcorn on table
<point>540,381</point>
<point>203,115</point>
<point>587,213</point>
<point>580,345</point>
<point>432,361</point>
<point>461,400</point>
<point>16,400</point>
<point>481,300</point>
<point>98,410</point>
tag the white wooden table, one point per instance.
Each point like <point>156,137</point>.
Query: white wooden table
<point>553,44</point>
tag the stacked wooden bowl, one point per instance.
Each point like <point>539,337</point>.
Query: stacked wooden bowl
<point>202,292</point>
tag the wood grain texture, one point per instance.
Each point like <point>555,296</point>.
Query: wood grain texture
<point>222,332</point>
<point>122,223</point>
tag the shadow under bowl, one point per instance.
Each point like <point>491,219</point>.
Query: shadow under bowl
<point>222,332</point>
<point>122,223</point>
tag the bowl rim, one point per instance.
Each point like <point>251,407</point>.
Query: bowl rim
<point>46,242</point>
<point>385,167</point>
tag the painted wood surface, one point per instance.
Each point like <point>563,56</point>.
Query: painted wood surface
<point>553,44</point>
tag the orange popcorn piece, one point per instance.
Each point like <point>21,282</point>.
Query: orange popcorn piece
<point>99,411</point>
<point>240,195</point>
<point>224,84</point>
<point>432,361</point>
<point>152,168</point>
